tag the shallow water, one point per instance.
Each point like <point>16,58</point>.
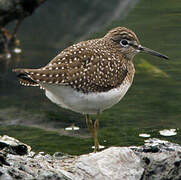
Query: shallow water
<point>152,103</point>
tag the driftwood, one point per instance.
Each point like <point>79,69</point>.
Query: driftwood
<point>155,160</point>
<point>13,10</point>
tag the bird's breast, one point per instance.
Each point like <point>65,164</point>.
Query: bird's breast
<point>85,103</point>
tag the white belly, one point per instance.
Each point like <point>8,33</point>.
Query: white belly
<point>90,103</point>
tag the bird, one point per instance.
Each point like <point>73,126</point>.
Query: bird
<point>90,76</point>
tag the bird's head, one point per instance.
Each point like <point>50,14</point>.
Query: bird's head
<point>126,41</point>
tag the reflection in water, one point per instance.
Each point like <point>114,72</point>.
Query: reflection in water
<point>9,60</point>
<point>9,51</point>
<point>72,128</point>
<point>100,147</point>
<point>144,135</point>
<point>168,132</point>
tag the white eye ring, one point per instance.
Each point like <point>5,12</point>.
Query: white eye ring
<point>124,43</point>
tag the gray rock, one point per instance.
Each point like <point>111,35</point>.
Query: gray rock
<point>112,163</point>
<point>155,160</point>
<point>161,160</point>
<point>13,146</point>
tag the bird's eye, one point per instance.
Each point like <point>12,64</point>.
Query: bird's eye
<point>124,43</point>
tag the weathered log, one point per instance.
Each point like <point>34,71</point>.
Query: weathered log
<point>13,10</point>
<point>155,160</point>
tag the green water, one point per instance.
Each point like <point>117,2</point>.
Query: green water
<point>152,103</point>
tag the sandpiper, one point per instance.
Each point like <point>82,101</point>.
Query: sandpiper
<point>90,76</point>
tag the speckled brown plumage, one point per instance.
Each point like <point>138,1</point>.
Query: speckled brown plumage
<point>89,66</point>
<point>91,76</point>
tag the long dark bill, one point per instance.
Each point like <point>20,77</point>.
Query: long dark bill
<point>152,52</point>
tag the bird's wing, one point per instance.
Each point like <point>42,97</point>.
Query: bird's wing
<point>81,68</point>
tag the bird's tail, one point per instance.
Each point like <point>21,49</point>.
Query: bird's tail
<point>25,77</point>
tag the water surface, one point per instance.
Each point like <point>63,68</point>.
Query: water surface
<point>152,103</point>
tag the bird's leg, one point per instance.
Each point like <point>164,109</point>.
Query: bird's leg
<point>90,125</point>
<point>93,130</point>
<point>96,127</point>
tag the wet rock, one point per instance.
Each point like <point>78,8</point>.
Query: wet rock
<point>161,160</point>
<point>155,160</point>
<point>13,146</point>
<point>3,160</point>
